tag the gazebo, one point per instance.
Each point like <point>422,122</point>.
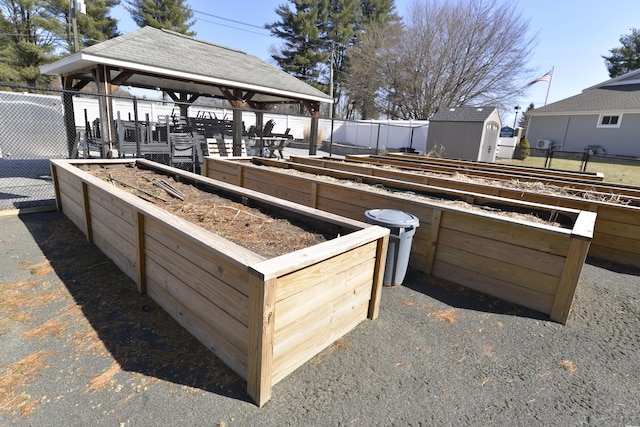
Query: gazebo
<point>185,68</point>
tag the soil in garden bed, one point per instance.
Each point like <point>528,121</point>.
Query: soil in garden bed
<point>253,228</point>
<point>507,211</point>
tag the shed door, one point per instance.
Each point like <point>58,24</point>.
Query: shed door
<point>489,142</point>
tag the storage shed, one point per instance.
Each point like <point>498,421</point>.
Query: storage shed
<point>467,133</point>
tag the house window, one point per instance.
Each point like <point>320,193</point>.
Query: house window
<point>609,121</point>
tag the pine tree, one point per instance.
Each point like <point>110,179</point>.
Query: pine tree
<point>96,25</point>
<point>302,30</point>
<point>28,40</point>
<point>174,15</point>
<point>626,57</point>
<point>317,34</point>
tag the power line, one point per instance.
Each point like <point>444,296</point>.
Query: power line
<point>234,21</point>
<point>235,28</point>
<point>230,20</point>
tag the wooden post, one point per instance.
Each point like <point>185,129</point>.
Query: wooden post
<point>569,279</point>
<point>262,300</point>
<point>87,213</point>
<point>433,240</point>
<point>69,116</point>
<point>378,277</point>
<point>107,123</point>
<point>237,122</point>
<point>314,110</point>
<point>56,186</point>
<point>140,254</point>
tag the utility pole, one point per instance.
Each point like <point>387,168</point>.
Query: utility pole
<point>331,81</point>
<point>77,6</point>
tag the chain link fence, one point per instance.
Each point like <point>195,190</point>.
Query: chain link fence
<point>615,168</point>
<point>31,132</point>
<point>34,129</point>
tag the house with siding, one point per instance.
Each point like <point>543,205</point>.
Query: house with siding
<point>604,118</point>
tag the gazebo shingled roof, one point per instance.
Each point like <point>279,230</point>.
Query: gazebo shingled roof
<point>185,68</point>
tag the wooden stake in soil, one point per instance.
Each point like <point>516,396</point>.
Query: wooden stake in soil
<point>137,189</point>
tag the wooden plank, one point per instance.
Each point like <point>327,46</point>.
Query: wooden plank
<point>71,185</point>
<point>294,261</point>
<point>624,219</point>
<point>625,214</point>
<point>299,280</point>
<point>261,332</point>
<point>141,280</point>
<point>515,233</point>
<point>584,225</point>
<point>321,321</point>
<point>518,274</point>
<point>87,211</point>
<point>378,277</point>
<point>619,229</point>
<point>499,251</point>
<point>320,337</point>
<point>56,185</point>
<point>230,331</point>
<point>507,291</point>
<point>208,254</point>
<point>585,176</point>
<point>569,280</point>
<point>118,219</point>
<point>324,291</point>
<point>204,281</point>
<point>622,258</point>
<point>433,240</point>
<point>72,210</point>
<point>606,188</point>
<point>205,333</point>
<point>120,250</point>
<point>314,195</point>
<point>620,243</point>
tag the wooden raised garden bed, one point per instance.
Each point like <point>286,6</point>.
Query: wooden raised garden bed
<point>409,163</point>
<point>263,317</point>
<point>531,264</point>
<point>616,237</point>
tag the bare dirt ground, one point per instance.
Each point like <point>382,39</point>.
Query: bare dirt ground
<point>79,346</point>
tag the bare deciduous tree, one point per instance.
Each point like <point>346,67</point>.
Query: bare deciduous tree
<point>453,53</point>
<point>368,60</point>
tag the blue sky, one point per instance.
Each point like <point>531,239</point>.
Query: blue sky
<point>572,36</point>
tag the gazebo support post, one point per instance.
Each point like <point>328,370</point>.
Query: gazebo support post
<point>314,111</point>
<point>107,122</point>
<point>236,103</point>
<point>69,116</point>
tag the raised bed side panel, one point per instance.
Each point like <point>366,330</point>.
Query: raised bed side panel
<point>606,188</point>
<point>452,243</point>
<point>309,318</point>
<point>263,318</point>
<point>198,288</point>
<point>585,176</point>
<point>312,297</point>
<point>69,196</point>
<point>616,237</point>
<point>200,279</point>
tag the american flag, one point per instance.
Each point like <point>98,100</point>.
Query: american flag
<point>545,78</point>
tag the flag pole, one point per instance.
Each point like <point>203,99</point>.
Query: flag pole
<point>549,86</point>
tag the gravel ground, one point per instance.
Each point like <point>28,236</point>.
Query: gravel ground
<point>79,346</point>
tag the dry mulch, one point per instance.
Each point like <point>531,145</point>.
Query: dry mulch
<point>252,228</point>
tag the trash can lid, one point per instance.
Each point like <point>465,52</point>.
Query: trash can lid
<point>392,218</point>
